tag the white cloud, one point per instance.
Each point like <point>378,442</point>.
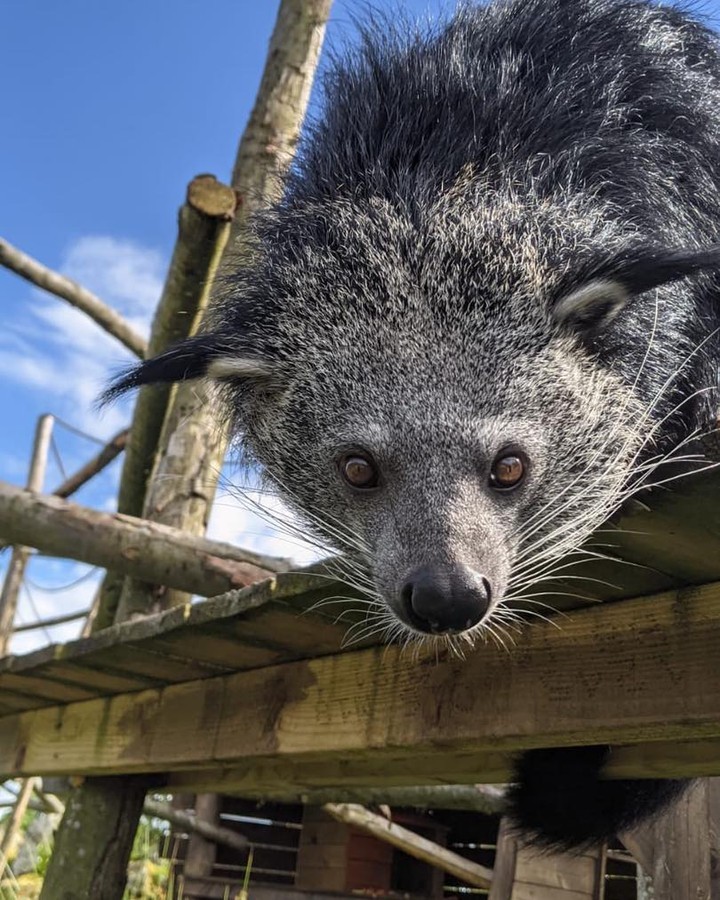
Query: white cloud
<point>125,274</point>
<point>56,349</point>
<point>237,518</point>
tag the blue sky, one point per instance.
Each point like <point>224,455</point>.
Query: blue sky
<point>108,111</point>
<point>111,110</point>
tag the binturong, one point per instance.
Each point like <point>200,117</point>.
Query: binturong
<point>484,314</point>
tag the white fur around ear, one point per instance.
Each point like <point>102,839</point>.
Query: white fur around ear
<point>593,306</point>
<point>239,367</point>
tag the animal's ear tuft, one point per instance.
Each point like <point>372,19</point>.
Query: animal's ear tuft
<point>592,305</point>
<point>202,356</point>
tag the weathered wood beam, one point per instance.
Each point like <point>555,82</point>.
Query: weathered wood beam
<point>203,228</point>
<point>642,673</point>
<point>482,798</point>
<point>125,544</point>
<point>413,844</point>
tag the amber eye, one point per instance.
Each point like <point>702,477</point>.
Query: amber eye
<point>359,470</point>
<point>508,470</point>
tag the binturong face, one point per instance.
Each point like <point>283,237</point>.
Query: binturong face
<point>451,476</point>
<point>446,423</point>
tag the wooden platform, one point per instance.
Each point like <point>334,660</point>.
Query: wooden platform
<point>254,692</point>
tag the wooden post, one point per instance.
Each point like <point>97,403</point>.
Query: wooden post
<point>21,555</point>
<point>193,444</point>
<point>93,842</point>
<point>275,123</point>
<point>674,850</point>
<point>202,228</point>
<point>9,838</point>
<point>202,850</point>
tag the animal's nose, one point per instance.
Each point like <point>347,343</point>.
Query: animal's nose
<point>445,600</point>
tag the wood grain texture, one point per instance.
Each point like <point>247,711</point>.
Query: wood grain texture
<point>642,673</point>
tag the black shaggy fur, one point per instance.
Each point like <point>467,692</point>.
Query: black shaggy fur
<point>561,802</point>
<point>503,230</point>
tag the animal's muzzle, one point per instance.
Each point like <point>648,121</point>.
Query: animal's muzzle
<point>445,599</point>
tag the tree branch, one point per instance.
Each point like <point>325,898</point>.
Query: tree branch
<point>91,468</point>
<point>94,466</point>
<point>142,549</point>
<point>75,294</point>
<point>189,822</point>
<point>410,843</point>
<point>481,798</point>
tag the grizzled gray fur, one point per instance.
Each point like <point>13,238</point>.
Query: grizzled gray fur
<point>484,313</point>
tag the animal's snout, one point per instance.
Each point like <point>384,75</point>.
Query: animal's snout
<point>445,600</point>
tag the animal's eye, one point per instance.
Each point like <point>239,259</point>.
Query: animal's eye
<point>359,470</point>
<point>508,470</point>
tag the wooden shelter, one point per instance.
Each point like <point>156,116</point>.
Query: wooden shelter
<point>254,693</point>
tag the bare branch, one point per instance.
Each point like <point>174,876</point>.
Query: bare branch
<point>145,550</point>
<point>92,467</point>
<point>54,620</point>
<point>75,294</point>
<point>189,822</point>
<point>482,798</point>
<point>411,843</point>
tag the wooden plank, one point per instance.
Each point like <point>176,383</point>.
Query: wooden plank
<point>636,672</point>
<point>321,878</point>
<point>326,833</point>
<point>562,871</point>
<point>103,682</point>
<point>523,891</point>
<point>363,875</point>
<point>244,629</point>
<point>216,651</point>
<point>505,861</point>
<point>320,856</point>
<point>54,691</point>
<point>362,846</point>
<point>676,847</point>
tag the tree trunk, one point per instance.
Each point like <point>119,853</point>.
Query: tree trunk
<point>203,229</point>
<point>93,843</point>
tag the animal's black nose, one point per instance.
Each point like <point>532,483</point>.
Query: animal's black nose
<point>445,600</point>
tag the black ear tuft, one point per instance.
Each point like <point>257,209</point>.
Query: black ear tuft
<point>645,271</point>
<point>593,304</point>
<point>189,359</point>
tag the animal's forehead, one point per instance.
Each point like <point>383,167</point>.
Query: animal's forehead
<point>400,431</point>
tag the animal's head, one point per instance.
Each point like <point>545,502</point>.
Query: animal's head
<point>426,390</point>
